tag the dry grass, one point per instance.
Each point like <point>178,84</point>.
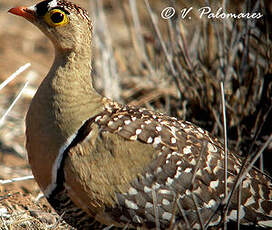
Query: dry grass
<point>175,66</point>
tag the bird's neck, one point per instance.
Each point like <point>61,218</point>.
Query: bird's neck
<point>68,91</point>
<point>63,102</point>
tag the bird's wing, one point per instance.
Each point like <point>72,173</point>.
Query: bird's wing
<point>130,160</point>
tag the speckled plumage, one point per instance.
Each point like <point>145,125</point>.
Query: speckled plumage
<point>100,163</point>
<point>168,176</point>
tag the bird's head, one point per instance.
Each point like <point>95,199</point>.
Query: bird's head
<point>65,23</point>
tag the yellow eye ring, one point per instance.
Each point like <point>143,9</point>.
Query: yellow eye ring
<point>56,17</point>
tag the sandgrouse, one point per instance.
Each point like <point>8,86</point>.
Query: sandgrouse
<point>99,162</point>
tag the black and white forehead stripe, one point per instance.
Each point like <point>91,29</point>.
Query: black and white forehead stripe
<point>44,6</point>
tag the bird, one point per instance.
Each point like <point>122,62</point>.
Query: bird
<point>100,163</point>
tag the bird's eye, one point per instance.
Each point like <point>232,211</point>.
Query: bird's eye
<point>56,17</point>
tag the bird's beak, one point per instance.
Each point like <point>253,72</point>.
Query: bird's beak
<point>24,12</point>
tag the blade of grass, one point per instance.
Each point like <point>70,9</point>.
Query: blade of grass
<point>247,166</point>
<point>169,57</point>
<point>30,177</point>
<point>155,207</point>
<point>12,104</point>
<point>183,213</point>
<point>14,75</point>
<point>139,37</point>
<point>225,148</point>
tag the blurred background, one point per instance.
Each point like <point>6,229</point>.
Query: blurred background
<point>173,66</point>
